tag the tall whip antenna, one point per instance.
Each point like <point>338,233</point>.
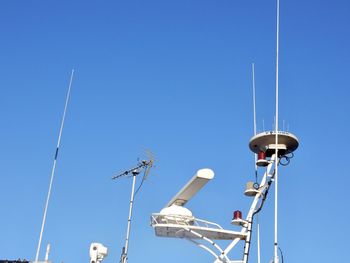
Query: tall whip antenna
<point>54,167</point>
<point>276,260</point>
<point>254,116</point>
<point>255,157</point>
<point>254,101</point>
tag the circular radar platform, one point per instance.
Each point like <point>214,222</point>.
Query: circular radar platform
<point>266,142</point>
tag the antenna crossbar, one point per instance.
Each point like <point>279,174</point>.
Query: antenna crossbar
<point>135,170</point>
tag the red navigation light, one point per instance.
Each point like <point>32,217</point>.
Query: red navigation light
<point>261,156</point>
<point>262,162</point>
<point>237,215</point>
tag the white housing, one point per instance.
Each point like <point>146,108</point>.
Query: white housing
<point>97,252</point>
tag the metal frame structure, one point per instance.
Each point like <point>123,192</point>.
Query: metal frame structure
<point>201,229</point>
<point>193,229</point>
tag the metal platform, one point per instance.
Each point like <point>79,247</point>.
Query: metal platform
<point>266,142</point>
<point>195,230</point>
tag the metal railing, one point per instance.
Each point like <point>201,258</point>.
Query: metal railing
<point>174,219</point>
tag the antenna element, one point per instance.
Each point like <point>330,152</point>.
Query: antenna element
<point>276,259</point>
<point>54,167</point>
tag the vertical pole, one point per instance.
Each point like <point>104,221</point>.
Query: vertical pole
<point>254,101</point>
<point>256,168</point>
<point>47,253</point>
<point>276,260</point>
<point>258,237</point>
<point>53,168</point>
<point>124,259</point>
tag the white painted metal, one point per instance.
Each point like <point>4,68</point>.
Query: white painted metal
<point>255,159</point>
<point>263,185</point>
<point>258,238</point>
<point>126,248</point>
<point>97,252</point>
<point>54,168</point>
<point>198,235</point>
<point>192,187</point>
<point>203,247</point>
<point>175,227</point>
<point>47,252</point>
<point>276,259</point>
<point>254,100</point>
<point>266,141</point>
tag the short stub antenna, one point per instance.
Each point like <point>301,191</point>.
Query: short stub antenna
<point>145,166</point>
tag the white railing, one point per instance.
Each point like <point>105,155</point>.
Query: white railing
<point>174,219</point>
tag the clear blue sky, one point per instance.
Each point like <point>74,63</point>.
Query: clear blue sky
<point>173,77</point>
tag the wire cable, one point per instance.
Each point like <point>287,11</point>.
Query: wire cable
<point>281,254</point>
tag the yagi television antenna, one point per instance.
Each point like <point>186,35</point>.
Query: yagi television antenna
<point>144,166</point>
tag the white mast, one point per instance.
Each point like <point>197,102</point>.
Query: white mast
<point>276,260</point>
<point>255,157</point>
<point>54,168</point>
<point>254,101</point>
<point>126,248</point>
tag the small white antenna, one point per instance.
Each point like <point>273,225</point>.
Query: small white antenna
<point>263,122</point>
<point>276,259</point>
<point>54,167</point>
<point>47,252</point>
<point>254,116</point>
<point>254,100</point>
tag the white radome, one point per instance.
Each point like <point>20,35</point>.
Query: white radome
<point>176,210</point>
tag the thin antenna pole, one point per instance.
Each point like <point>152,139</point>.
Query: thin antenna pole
<point>276,260</point>
<point>125,258</point>
<point>254,101</point>
<point>54,167</point>
<point>263,122</point>
<point>255,157</point>
<point>258,237</point>
<point>254,116</point>
<point>135,172</point>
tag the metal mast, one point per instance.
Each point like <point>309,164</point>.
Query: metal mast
<point>255,157</point>
<point>276,259</point>
<point>135,171</point>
